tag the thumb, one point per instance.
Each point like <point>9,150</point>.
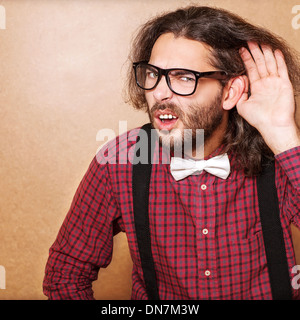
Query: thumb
<point>244,96</point>
<point>242,100</point>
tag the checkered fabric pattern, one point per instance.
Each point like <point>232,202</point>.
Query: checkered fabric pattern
<point>205,231</point>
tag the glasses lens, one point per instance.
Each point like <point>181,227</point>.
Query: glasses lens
<point>182,82</point>
<point>146,76</point>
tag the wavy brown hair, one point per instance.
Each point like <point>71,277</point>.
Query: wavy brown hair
<point>225,33</point>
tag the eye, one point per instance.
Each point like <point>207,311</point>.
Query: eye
<point>183,76</point>
<point>187,79</point>
<point>151,74</point>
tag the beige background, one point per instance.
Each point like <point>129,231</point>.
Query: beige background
<point>61,75</point>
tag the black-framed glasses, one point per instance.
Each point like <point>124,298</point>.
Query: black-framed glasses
<point>180,81</point>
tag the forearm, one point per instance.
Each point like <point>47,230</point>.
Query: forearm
<point>289,162</point>
<point>75,259</point>
<point>288,183</point>
<point>67,278</point>
<point>85,240</point>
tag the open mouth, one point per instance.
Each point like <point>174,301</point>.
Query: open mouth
<point>167,117</point>
<point>165,120</point>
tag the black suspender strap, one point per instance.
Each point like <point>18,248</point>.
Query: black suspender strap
<point>273,234</point>
<point>141,174</point>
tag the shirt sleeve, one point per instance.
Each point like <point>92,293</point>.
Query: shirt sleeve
<point>289,161</point>
<point>85,240</point>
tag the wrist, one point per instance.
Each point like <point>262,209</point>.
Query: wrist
<point>283,139</point>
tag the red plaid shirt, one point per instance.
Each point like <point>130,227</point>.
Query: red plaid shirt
<point>205,232</point>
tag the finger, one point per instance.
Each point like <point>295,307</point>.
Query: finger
<point>270,60</point>
<point>281,65</point>
<point>259,59</point>
<point>249,65</point>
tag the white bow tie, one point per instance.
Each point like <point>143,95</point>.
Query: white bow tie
<point>218,166</point>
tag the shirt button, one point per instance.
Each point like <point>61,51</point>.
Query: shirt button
<point>203,187</point>
<point>205,231</point>
<point>207,273</point>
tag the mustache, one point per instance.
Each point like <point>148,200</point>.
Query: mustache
<point>169,105</point>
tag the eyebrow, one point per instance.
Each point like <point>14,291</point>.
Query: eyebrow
<point>182,71</point>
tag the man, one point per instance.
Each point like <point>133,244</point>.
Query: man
<point>193,69</point>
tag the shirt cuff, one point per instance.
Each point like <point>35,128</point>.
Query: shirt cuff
<point>289,161</point>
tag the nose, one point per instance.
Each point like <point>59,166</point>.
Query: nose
<point>162,91</point>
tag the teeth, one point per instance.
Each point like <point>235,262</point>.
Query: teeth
<point>167,116</point>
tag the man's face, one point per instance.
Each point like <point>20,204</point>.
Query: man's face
<point>201,110</point>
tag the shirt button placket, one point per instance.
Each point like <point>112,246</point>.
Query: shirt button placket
<point>206,239</point>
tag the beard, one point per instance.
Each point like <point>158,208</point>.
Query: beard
<point>199,123</point>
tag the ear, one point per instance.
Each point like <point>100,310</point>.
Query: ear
<point>234,91</point>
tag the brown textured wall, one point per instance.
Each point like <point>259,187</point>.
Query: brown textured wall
<point>61,75</point>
